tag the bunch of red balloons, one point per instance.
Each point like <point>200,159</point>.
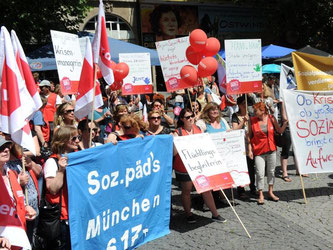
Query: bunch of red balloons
<point>200,52</point>
<point>120,71</point>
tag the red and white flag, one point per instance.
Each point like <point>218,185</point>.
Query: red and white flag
<point>145,113</point>
<point>24,68</point>
<point>84,98</point>
<point>221,74</point>
<point>101,50</point>
<point>10,224</point>
<point>16,103</point>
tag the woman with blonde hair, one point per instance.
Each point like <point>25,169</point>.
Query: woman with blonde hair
<point>65,140</point>
<point>154,121</point>
<point>64,116</point>
<point>211,120</point>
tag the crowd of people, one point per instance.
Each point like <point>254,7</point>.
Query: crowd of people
<point>57,132</point>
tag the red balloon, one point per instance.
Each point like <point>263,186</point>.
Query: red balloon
<point>212,46</point>
<point>116,85</point>
<point>193,56</point>
<point>198,39</point>
<point>189,74</point>
<point>207,66</point>
<point>120,71</point>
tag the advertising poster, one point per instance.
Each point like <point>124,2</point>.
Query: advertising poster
<point>203,163</point>
<point>172,57</point>
<point>313,72</point>
<point>231,147</point>
<point>243,66</point>
<point>310,116</point>
<point>119,196</point>
<point>165,21</point>
<point>69,60</point>
<point>138,80</point>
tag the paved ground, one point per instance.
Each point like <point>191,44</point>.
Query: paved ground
<point>287,224</point>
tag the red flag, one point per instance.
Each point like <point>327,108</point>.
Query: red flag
<point>101,50</point>
<point>16,102</point>
<point>10,224</point>
<point>84,98</point>
<point>26,74</point>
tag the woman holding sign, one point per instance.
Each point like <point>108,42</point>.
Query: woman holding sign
<point>263,148</point>
<point>185,126</point>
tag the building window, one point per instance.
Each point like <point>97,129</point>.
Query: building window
<point>116,27</point>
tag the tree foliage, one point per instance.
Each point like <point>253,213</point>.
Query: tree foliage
<point>33,20</point>
<point>296,23</point>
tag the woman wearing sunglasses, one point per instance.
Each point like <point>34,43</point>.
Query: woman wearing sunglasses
<point>84,130</point>
<point>155,127</point>
<point>10,179</point>
<point>211,120</point>
<point>65,140</point>
<point>64,116</point>
<point>186,126</point>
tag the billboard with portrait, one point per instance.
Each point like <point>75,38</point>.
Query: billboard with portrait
<point>164,21</point>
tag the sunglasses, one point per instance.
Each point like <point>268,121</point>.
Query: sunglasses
<point>74,138</point>
<point>188,117</point>
<point>155,118</point>
<point>69,111</point>
<point>4,147</point>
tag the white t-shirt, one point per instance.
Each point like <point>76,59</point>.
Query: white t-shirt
<point>50,168</point>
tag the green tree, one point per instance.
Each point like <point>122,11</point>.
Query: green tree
<point>33,20</point>
<point>297,23</point>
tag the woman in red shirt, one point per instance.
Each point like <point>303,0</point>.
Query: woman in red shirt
<point>263,148</point>
<point>186,126</point>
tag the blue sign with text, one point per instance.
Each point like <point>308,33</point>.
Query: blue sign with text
<point>119,195</point>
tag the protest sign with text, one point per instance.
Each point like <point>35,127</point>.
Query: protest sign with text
<point>119,195</point>
<point>231,147</point>
<point>313,72</point>
<point>243,66</point>
<point>172,58</point>
<point>203,162</point>
<point>287,79</point>
<point>310,116</point>
<point>139,79</point>
<point>69,60</point>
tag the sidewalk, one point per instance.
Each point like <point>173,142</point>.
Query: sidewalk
<point>287,224</point>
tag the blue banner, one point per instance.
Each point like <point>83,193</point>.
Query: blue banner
<point>120,195</point>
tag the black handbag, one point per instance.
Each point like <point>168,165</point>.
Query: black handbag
<point>49,224</point>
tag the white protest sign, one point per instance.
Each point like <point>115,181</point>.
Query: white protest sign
<point>139,79</point>
<point>172,58</point>
<point>243,66</point>
<point>287,79</point>
<point>231,147</point>
<point>203,162</point>
<point>310,116</point>
<point>69,60</point>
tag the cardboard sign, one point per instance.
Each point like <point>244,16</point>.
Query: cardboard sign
<point>243,66</point>
<point>203,163</point>
<point>139,79</point>
<point>310,116</point>
<point>231,147</point>
<point>69,60</point>
<point>313,72</point>
<point>172,57</point>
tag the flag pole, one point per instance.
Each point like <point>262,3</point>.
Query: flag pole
<point>23,169</point>
<point>235,213</point>
<point>93,104</point>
